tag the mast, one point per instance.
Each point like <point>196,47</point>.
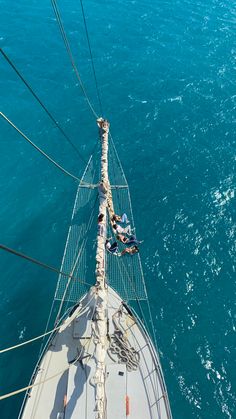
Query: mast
<point>99,325</point>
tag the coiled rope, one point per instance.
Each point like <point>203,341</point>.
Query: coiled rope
<point>121,347</point>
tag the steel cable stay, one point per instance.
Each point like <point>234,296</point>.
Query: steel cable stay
<point>91,218</point>
<point>42,264</point>
<point>21,390</point>
<point>71,57</point>
<point>40,150</point>
<point>83,244</point>
<point>10,348</point>
<point>54,298</point>
<point>52,268</point>
<point>81,185</point>
<point>130,280</point>
<point>41,103</point>
<point>91,56</point>
<point>18,345</point>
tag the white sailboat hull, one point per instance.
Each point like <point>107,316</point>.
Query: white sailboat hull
<point>64,382</point>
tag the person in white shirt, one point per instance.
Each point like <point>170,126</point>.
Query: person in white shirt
<point>122,230</point>
<point>121,219</point>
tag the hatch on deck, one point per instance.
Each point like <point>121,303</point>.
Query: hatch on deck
<point>116,391</point>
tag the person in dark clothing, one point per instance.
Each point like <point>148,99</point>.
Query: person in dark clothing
<point>133,240</point>
<point>112,248</point>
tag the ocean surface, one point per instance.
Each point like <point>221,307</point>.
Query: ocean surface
<point>166,72</point>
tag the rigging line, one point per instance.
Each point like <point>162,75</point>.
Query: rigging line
<point>29,341</point>
<point>71,57</point>
<point>80,236</point>
<point>83,244</point>
<point>76,260</point>
<point>13,393</point>
<point>91,56</point>
<point>132,219</point>
<point>42,264</point>
<point>67,247</point>
<point>39,149</point>
<point>54,298</point>
<point>46,328</point>
<point>42,105</point>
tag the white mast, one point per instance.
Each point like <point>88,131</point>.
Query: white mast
<point>99,324</point>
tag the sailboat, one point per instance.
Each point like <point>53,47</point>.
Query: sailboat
<point>100,363</point>
<point>101,359</point>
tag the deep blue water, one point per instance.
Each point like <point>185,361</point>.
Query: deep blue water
<point>166,72</point>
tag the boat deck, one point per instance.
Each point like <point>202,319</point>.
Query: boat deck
<point>134,382</point>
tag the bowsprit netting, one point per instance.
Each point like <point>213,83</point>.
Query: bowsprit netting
<point>79,254</point>
<point>124,273</point>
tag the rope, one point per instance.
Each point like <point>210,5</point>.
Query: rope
<point>21,390</point>
<point>77,258</point>
<point>28,341</point>
<point>73,213</point>
<point>71,57</point>
<point>91,56</point>
<point>44,265</point>
<point>81,311</point>
<point>42,105</point>
<point>39,149</point>
<point>129,278</point>
<point>122,348</point>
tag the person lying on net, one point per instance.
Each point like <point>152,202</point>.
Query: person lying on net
<point>128,240</point>
<point>112,248</point>
<point>130,250</point>
<point>121,219</point>
<point>133,240</point>
<point>125,230</point>
<point>122,238</point>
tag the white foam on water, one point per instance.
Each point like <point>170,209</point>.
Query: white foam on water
<point>221,198</point>
<point>189,286</point>
<point>156,113</point>
<point>22,333</point>
<point>176,99</point>
<point>218,376</point>
<point>191,393</point>
<point>137,100</point>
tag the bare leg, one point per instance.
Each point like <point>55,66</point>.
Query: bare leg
<point>124,219</point>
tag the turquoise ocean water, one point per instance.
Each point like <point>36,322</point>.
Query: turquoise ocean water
<point>166,72</point>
